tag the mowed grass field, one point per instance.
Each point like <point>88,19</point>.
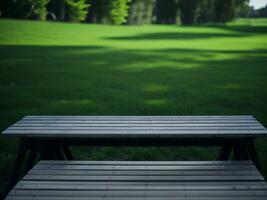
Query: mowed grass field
<point>82,69</point>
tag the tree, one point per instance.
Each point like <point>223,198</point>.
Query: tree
<point>33,9</point>
<point>141,11</point>
<point>226,10</point>
<point>262,12</point>
<point>99,11</point>
<point>167,12</point>
<point>6,7</point>
<point>118,11</point>
<point>62,9</point>
<point>244,11</point>
<point>189,11</point>
<point>39,10</point>
<point>77,10</point>
<point>206,11</point>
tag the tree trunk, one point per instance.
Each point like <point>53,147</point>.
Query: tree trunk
<point>62,9</point>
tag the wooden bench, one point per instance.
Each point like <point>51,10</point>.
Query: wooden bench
<point>50,136</point>
<point>141,180</point>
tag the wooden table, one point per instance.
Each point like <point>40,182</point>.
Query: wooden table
<point>50,136</point>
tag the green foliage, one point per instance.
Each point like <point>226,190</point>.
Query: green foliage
<point>206,11</point>
<point>262,12</point>
<point>244,11</point>
<point>226,10</point>
<point>24,9</point>
<point>77,10</point>
<point>132,11</point>
<point>258,13</point>
<point>99,11</point>
<point>39,10</point>
<point>189,11</point>
<point>118,11</point>
<point>141,12</point>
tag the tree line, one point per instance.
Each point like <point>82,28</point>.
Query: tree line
<point>126,11</point>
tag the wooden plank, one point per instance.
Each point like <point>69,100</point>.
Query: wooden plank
<point>145,172</point>
<point>149,167</point>
<point>251,177</point>
<point>142,117</point>
<point>52,124</point>
<point>147,128</point>
<point>237,184</point>
<point>133,163</point>
<point>159,193</point>
<point>140,120</point>
<point>137,126</point>
<point>130,180</point>
<point>25,185</point>
<point>121,122</point>
<point>131,198</point>
<point>135,132</point>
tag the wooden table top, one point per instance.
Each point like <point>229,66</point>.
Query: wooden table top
<point>137,126</point>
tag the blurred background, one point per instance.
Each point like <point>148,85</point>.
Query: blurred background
<point>133,11</point>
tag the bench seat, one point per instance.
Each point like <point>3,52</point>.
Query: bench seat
<point>141,180</point>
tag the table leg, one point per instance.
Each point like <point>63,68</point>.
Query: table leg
<point>253,154</point>
<point>45,150</point>
<point>31,159</point>
<point>224,153</point>
<point>237,155</point>
<point>58,152</point>
<point>67,152</point>
<point>244,151</point>
<point>18,166</point>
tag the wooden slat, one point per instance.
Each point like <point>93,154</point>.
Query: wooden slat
<point>141,187</point>
<point>149,167</point>
<point>134,132</point>
<point>237,184</point>
<point>144,172</point>
<point>251,177</point>
<point>137,126</point>
<point>47,128</point>
<point>138,193</point>
<point>142,117</point>
<point>131,198</point>
<point>138,163</point>
<point>146,180</point>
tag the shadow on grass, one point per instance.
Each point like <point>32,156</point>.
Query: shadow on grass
<point>101,80</point>
<point>95,80</point>
<point>176,36</point>
<point>239,29</point>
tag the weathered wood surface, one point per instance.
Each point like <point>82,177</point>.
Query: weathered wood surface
<point>144,180</point>
<point>136,126</point>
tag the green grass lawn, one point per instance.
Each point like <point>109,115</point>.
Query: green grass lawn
<point>81,69</point>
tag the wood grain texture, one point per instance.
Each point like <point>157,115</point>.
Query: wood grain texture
<point>136,126</point>
<point>141,180</point>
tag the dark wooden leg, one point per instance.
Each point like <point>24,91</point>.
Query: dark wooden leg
<point>67,152</point>
<point>244,151</point>
<point>50,148</point>
<point>237,151</point>
<point>224,153</point>
<point>18,166</point>
<point>58,152</point>
<point>253,154</point>
<point>45,152</point>
<point>31,159</point>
